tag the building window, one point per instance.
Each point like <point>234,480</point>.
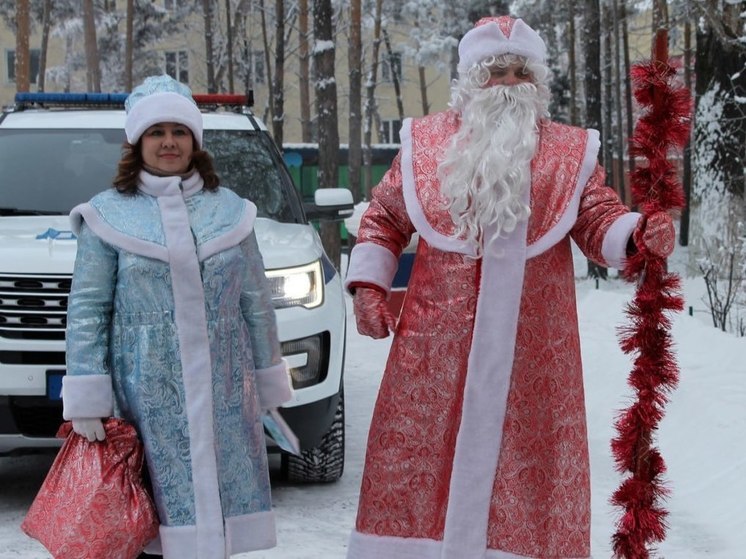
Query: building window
<point>258,71</point>
<point>390,63</point>
<point>390,132</point>
<point>177,65</point>
<point>10,58</point>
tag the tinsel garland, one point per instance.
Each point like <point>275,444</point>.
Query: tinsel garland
<point>663,127</point>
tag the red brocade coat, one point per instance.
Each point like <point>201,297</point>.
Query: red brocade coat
<point>478,445</point>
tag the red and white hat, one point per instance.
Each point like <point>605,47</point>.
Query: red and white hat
<point>493,36</point>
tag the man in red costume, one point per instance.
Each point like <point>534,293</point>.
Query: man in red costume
<point>478,447</point>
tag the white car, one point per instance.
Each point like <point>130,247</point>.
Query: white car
<point>58,150</point>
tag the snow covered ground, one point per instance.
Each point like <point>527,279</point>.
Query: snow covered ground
<point>701,438</point>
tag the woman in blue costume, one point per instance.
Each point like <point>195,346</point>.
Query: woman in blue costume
<point>171,327</point>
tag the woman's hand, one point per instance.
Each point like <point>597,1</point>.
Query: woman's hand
<point>92,429</point>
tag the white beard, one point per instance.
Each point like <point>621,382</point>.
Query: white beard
<point>486,169</point>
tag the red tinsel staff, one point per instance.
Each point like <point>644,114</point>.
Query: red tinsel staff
<point>664,126</point>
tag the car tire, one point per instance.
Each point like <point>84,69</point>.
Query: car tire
<point>323,463</point>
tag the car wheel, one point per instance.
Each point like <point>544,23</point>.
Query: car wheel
<point>324,463</point>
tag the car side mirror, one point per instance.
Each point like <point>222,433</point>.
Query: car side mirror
<point>330,204</point>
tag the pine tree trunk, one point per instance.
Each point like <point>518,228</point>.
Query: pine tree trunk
<point>686,178</point>
<point>267,60</point>
<point>572,69</point>
<point>592,40</point>
<point>354,63</point>
<point>326,112</point>
<point>278,83</point>
<point>22,61</point>
<point>618,100</point>
<point>209,59</point>
<point>423,90</point>
<point>129,45</point>
<point>93,72</point>
<point>45,27</point>
<point>370,103</point>
<point>606,103</point>
<point>394,73</point>
<point>230,32</point>
<point>628,106</point>
<point>303,87</point>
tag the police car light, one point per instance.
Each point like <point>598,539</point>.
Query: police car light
<point>29,99</point>
<point>25,100</point>
<point>221,99</point>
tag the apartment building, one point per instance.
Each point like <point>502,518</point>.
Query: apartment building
<point>182,56</point>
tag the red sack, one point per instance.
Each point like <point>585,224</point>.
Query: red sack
<point>93,504</point>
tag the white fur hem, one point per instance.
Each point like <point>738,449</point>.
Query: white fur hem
<point>87,396</point>
<point>366,546</point>
<point>249,532</point>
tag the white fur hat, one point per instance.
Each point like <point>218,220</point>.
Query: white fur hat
<point>493,36</point>
<point>161,99</point>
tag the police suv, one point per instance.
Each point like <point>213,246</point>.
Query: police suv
<point>58,150</point>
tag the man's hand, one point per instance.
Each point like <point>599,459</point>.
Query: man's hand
<point>372,314</point>
<point>655,235</point>
<point>91,429</point>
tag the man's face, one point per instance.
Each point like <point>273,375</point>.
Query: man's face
<point>514,74</point>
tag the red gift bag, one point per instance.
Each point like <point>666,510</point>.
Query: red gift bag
<point>93,504</point>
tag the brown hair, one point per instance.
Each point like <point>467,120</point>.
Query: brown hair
<point>131,163</point>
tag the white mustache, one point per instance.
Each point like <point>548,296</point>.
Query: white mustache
<point>484,177</point>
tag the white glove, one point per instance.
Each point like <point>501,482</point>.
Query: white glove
<point>92,429</point>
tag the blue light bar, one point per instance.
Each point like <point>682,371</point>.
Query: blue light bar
<point>25,99</point>
<point>116,100</point>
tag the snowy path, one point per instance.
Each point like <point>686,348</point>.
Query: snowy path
<point>701,438</point>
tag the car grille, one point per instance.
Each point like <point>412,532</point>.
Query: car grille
<point>34,307</point>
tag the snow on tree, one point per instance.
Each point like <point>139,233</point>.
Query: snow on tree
<point>434,32</point>
<point>718,201</point>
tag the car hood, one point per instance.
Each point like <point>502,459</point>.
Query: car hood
<point>46,245</point>
<point>36,245</point>
<point>287,244</point>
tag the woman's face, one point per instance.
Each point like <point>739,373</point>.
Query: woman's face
<point>168,147</point>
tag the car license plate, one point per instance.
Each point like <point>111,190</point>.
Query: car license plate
<point>54,384</point>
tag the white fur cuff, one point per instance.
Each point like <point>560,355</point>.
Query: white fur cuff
<point>614,247</point>
<point>372,263</point>
<point>273,385</point>
<point>87,396</point>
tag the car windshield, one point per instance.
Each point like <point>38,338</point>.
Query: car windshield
<point>48,171</point>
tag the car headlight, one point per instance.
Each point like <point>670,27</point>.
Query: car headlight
<point>302,286</point>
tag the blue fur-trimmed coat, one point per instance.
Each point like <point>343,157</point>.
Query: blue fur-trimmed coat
<point>171,326</point>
